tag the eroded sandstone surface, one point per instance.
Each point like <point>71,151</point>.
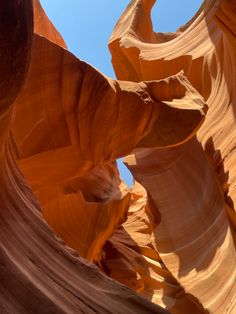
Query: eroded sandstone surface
<point>73,237</point>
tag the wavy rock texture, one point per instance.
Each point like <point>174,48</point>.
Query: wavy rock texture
<point>38,273</point>
<point>73,237</point>
<point>191,187</point>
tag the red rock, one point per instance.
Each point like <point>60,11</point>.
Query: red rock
<point>191,187</point>
<point>169,238</point>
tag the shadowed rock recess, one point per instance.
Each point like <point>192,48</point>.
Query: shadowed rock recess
<point>73,237</point>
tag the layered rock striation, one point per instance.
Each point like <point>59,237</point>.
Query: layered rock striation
<point>73,237</point>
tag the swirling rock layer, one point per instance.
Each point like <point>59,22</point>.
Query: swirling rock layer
<point>73,237</point>
<point>190,186</point>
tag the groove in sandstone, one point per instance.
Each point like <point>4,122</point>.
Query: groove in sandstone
<point>171,237</point>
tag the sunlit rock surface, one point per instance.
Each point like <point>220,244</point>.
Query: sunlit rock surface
<point>73,237</point>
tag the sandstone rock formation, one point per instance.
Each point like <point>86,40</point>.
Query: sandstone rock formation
<point>74,238</point>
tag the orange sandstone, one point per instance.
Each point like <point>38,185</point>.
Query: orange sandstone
<point>74,238</point>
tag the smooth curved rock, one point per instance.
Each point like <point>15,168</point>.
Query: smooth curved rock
<point>38,273</point>
<point>191,186</point>
<point>171,237</point>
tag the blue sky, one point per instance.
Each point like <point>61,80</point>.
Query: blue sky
<point>86,26</point>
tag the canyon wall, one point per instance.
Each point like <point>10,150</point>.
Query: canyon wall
<point>73,237</point>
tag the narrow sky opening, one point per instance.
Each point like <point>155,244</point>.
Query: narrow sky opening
<point>168,16</point>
